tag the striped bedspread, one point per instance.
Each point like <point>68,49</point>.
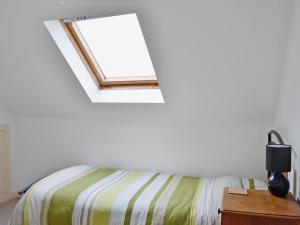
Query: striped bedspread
<point>82,195</point>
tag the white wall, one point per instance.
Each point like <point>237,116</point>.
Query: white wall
<point>8,119</point>
<point>288,109</point>
<point>219,64</point>
<point>208,149</point>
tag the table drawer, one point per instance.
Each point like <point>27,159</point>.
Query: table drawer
<point>244,219</point>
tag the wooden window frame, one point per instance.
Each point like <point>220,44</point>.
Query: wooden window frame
<point>93,67</point>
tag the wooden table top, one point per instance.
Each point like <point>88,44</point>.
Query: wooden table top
<point>260,202</point>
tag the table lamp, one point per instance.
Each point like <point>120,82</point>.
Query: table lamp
<point>278,160</point>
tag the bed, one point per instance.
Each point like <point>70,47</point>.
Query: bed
<point>83,195</point>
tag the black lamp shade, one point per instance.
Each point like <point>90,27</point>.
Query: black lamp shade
<point>278,158</point>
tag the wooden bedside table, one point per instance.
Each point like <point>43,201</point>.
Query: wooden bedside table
<point>259,208</point>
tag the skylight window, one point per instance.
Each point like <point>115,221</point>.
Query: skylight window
<point>109,57</point>
<point>114,49</point>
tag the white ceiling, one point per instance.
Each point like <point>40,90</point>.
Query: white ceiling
<point>215,60</point>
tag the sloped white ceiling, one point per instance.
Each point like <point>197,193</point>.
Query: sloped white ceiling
<point>215,60</point>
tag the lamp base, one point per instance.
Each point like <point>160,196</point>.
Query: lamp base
<point>278,184</point>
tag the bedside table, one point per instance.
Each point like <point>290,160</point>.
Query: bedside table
<point>259,208</point>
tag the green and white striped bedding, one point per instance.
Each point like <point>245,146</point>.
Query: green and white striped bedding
<point>82,195</point>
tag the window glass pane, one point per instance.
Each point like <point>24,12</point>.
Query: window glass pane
<point>118,46</point>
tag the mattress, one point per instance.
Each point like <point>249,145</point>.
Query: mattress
<point>83,195</point>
